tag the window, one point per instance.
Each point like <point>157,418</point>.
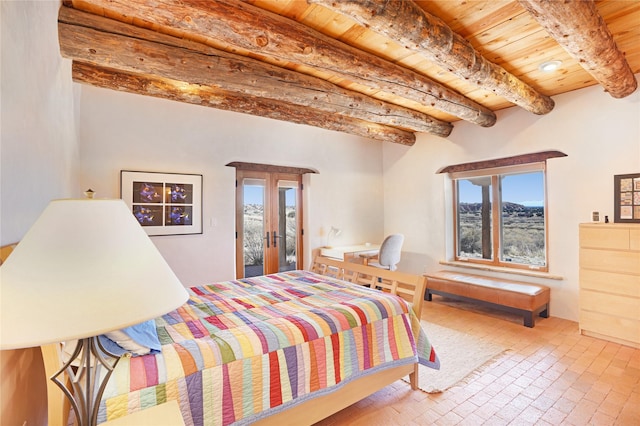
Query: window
<point>500,216</point>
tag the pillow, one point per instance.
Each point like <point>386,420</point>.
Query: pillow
<point>139,339</point>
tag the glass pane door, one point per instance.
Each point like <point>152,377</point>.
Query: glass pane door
<point>287,225</point>
<point>268,218</point>
<point>253,226</point>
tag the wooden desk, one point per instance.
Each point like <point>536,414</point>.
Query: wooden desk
<point>349,253</point>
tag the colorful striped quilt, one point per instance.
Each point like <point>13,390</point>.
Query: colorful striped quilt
<point>240,350</point>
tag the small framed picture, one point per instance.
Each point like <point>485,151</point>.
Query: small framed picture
<point>626,194</point>
<point>164,203</point>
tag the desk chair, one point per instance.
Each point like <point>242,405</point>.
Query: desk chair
<point>389,255</point>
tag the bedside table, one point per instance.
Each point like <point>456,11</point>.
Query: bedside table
<point>167,414</point>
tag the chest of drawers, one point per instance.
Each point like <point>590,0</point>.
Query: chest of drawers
<point>610,282</point>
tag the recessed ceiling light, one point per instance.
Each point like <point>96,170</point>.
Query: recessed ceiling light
<point>549,66</point>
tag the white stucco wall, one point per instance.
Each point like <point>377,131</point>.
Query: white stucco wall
<point>39,150</point>
<point>122,131</point>
<point>600,135</point>
<point>39,157</point>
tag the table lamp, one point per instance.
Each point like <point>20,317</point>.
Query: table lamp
<point>85,268</point>
<point>333,232</point>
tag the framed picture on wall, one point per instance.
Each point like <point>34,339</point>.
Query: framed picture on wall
<point>164,203</point>
<point>626,192</point>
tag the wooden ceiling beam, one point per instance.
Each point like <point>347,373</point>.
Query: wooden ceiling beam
<point>206,96</point>
<point>233,73</point>
<point>578,27</point>
<point>283,40</point>
<point>409,25</point>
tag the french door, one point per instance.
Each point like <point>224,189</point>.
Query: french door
<point>268,222</point>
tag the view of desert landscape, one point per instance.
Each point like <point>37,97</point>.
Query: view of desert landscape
<point>523,237</point>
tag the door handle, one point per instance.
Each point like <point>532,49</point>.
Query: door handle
<point>275,242</point>
<point>267,238</point>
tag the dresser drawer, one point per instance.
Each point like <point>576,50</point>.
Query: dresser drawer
<point>610,282</point>
<point>610,304</point>
<point>606,325</point>
<point>634,242</point>
<point>604,237</point>
<point>627,262</point>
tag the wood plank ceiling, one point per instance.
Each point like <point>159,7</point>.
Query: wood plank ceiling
<point>383,69</point>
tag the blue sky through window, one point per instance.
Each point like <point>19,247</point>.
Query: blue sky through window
<point>254,194</point>
<point>524,188</point>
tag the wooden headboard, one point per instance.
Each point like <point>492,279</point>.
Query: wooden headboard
<point>57,404</point>
<point>410,287</point>
<point>31,385</point>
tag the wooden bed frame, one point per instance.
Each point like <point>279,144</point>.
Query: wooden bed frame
<point>408,286</point>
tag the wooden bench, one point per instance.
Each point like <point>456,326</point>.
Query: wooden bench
<point>521,298</point>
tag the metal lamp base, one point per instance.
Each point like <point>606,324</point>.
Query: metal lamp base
<point>84,369</point>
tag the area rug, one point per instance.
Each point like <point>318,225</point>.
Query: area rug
<point>460,356</point>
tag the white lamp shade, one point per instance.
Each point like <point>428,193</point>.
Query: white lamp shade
<point>86,267</point>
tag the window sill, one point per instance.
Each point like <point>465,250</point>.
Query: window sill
<point>504,270</point>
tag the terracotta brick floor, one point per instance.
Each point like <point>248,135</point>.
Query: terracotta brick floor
<point>550,375</point>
